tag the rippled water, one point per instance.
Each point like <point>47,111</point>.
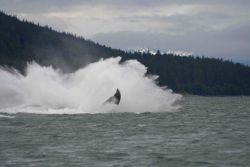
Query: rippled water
<point>207,131</point>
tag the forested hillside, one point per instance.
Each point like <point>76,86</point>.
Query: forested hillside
<point>22,41</point>
<point>202,76</point>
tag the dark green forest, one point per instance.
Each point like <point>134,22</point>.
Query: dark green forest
<point>23,41</point>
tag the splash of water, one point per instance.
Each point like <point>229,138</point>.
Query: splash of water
<point>45,90</point>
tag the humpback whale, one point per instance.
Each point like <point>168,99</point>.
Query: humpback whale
<point>115,99</point>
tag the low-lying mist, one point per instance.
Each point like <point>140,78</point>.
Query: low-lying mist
<point>46,90</point>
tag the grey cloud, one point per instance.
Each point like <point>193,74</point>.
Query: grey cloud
<point>51,5</point>
<point>218,28</point>
<point>34,6</point>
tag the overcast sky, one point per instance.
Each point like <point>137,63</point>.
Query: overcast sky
<point>213,28</point>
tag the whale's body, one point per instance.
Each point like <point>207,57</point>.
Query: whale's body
<point>115,99</point>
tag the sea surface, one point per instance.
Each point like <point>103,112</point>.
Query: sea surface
<point>206,131</point>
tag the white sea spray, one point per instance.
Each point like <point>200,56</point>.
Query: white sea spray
<point>46,90</point>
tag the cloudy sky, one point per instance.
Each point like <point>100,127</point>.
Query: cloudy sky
<point>213,28</point>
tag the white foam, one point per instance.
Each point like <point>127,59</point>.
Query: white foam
<point>6,116</point>
<point>45,90</point>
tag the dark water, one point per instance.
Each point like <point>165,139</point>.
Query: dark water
<point>207,131</point>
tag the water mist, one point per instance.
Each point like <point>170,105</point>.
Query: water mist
<point>46,90</point>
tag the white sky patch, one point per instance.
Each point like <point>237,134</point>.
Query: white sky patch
<point>65,15</point>
<point>88,21</point>
<point>168,19</point>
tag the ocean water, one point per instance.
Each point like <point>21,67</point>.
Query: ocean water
<point>205,131</point>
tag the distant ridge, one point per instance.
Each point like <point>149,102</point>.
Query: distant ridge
<point>23,41</point>
<point>154,52</point>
